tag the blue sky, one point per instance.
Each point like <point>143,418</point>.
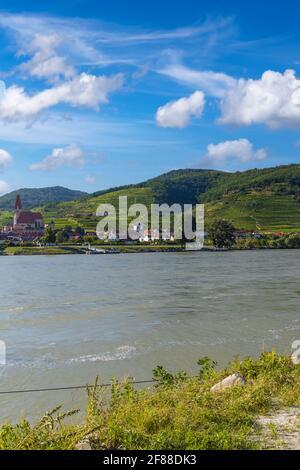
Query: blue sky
<point>100,94</point>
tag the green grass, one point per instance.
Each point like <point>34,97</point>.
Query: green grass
<point>32,250</point>
<point>66,249</point>
<point>178,413</point>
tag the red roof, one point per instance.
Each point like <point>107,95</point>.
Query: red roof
<point>28,217</point>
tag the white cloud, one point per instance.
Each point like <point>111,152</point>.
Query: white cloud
<point>5,159</point>
<point>273,100</point>
<point>72,155</point>
<point>45,61</point>
<point>91,42</point>
<point>90,179</point>
<point>4,187</point>
<point>238,150</point>
<point>214,83</point>
<point>83,90</point>
<point>179,113</point>
<point>78,38</point>
<point>90,39</point>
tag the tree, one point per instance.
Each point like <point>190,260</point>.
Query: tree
<point>61,236</point>
<point>79,231</point>
<point>293,241</point>
<point>221,232</point>
<point>90,239</point>
<point>68,229</point>
<point>49,236</point>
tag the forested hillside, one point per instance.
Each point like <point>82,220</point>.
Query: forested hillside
<point>266,198</point>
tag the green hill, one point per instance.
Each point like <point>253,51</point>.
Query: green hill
<point>82,211</point>
<point>180,186</point>
<point>184,186</point>
<point>281,180</point>
<point>268,199</point>
<point>32,197</point>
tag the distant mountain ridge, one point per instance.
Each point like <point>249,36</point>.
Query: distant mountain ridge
<point>32,197</point>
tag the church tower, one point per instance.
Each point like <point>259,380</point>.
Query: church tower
<point>18,204</point>
<point>18,208</point>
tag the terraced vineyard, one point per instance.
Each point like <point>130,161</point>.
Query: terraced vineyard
<point>83,212</point>
<point>267,212</point>
<point>267,199</point>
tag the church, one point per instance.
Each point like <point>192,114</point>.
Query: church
<point>26,220</point>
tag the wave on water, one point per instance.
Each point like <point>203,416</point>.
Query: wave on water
<point>46,362</point>
<point>119,354</point>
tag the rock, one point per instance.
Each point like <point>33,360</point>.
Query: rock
<point>230,381</point>
<point>295,360</point>
<point>83,445</point>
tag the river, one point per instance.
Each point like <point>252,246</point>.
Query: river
<point>67,319</point>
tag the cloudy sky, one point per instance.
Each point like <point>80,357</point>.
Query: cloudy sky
<point>98,94</point>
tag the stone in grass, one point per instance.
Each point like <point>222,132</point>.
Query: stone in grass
<point>230,381</point>
<point>83,445</point>
<point>295,359</point>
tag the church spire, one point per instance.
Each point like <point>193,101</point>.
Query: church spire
<point>18,205</point>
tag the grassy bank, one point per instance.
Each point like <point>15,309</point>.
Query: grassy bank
<point>177,413</point>
<point>73,249</point>
<point>34,250</point>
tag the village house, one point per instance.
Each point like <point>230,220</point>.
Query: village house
<point>149,235</point>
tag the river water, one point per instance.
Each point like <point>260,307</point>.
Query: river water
<point>67,319</point>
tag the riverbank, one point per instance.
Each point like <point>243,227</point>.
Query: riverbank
<point>178,413</point>
<point>79,250</point>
